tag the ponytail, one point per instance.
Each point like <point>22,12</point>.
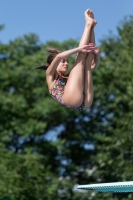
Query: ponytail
<point>43,67</point>
<point>53,53</point>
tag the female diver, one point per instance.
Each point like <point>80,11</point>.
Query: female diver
<point>76,89</point>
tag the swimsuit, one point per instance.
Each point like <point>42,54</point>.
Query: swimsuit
<point>58,91</point>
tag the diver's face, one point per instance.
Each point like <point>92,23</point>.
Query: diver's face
<point>63,66</point>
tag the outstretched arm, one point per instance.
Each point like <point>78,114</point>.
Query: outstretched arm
<point>95,62</point>
<point>53,66</point>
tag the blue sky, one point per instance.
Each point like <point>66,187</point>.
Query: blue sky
<point>60,20</point>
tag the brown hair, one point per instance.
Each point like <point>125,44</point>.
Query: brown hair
<point>53,53</point>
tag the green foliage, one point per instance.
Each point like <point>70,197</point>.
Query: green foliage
<point>2,27</point>
<point>46,149</point>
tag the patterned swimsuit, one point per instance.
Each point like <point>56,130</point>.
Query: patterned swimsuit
<point>58,91</point>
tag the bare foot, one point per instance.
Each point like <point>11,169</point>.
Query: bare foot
<point>89,17</point>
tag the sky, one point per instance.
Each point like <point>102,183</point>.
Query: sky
<point>60,20</point>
